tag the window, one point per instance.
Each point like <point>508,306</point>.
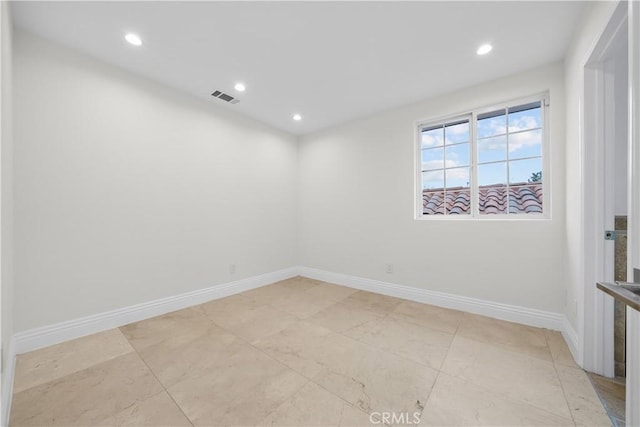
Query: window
<point>486,163</point>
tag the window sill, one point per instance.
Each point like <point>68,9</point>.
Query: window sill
<point>491,218</point>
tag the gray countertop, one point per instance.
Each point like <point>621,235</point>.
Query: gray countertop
<point>628,293</point>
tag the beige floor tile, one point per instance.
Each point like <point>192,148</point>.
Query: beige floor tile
<point>314,406</point>
<point>251,321</point>
<point>381,304</point>
<point>246,388</point>
<point>228,306</point>
<point>157,410</point>
<point>172,365</point>
<point>508,335</point>
<point>406,339</point>
<point>303,304</point>
<point>48,364</point>
<point>330,356</point>
<point>168,331</point>
<point>330,291</point>
<point>363,375</point>
<point>532,379</point>
<point>298,346</point>
<point>86,397</point>
<point>586,408</point>
<point>371,379</point>
<point>431,316</point>
<point>455,402</point>
<point>559,350</point>
<point>339,317</point>
<point>279,290</point>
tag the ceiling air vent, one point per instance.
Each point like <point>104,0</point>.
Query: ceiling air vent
<point>227,98</point>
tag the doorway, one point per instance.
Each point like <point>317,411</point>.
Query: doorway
<point>606,210</point>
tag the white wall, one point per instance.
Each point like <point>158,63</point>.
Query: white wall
<point>126,191</point>
<point>356,207</point>
<point>6,202</point>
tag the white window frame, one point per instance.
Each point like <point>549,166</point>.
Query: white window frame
<point>472,114</point>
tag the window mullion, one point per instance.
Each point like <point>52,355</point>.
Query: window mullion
<point>444,170</point>
<point>508,208</point>
<point>474,189</point>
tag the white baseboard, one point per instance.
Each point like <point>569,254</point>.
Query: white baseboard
<point>54,334</point>
<point>60,332</point>
<point>571,338</point>
<point>8,373</point>
<point>511,313</point>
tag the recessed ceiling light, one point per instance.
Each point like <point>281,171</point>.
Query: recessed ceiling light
<point>134,39</point>
<point>297,117</point>
<point>240,87</point>
<point>484,49</point>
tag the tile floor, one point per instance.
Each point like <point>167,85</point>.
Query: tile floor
<point>612,393</point>
<point>307,353</point>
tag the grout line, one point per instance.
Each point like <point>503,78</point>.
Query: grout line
<point>546,340</point>
<point>158,380</point>
<point>379,317</point>
<point>439,370</point>
<point>564,392</point>
<point>510,396</point>
<point>310,380</point>
<point>250,344</point>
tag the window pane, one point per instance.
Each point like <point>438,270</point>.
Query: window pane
<point>432,138</point>
<point>457,202</point>
<point>433,202</point>
<point>492,191</point>
<point>432,158</point>
<point>526,198</point>
<point>492,124</point>
<point>527,118</point>
<point>457,155</point>
<point>525,144</point>
<point>492,200</point>
<point>492,149</point>
<point>433,180</point>
<point>506,171</point>
<point>525,171</point>
<point>457,178</point>
<point>492,174</point>
<point>457,133</point>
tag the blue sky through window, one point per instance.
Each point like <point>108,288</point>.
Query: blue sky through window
<point>524,140</point>
<point>502,134</point>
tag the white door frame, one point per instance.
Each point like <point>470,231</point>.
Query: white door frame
<point>633,231</point>
<point>596,316</point>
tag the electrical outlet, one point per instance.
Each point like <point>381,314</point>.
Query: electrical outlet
<point>389,268</point>
<point>232,268</point>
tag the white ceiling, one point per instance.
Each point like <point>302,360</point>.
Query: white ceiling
<point>330,61</point>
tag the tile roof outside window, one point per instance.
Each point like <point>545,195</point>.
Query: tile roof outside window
<point>524,198</point>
